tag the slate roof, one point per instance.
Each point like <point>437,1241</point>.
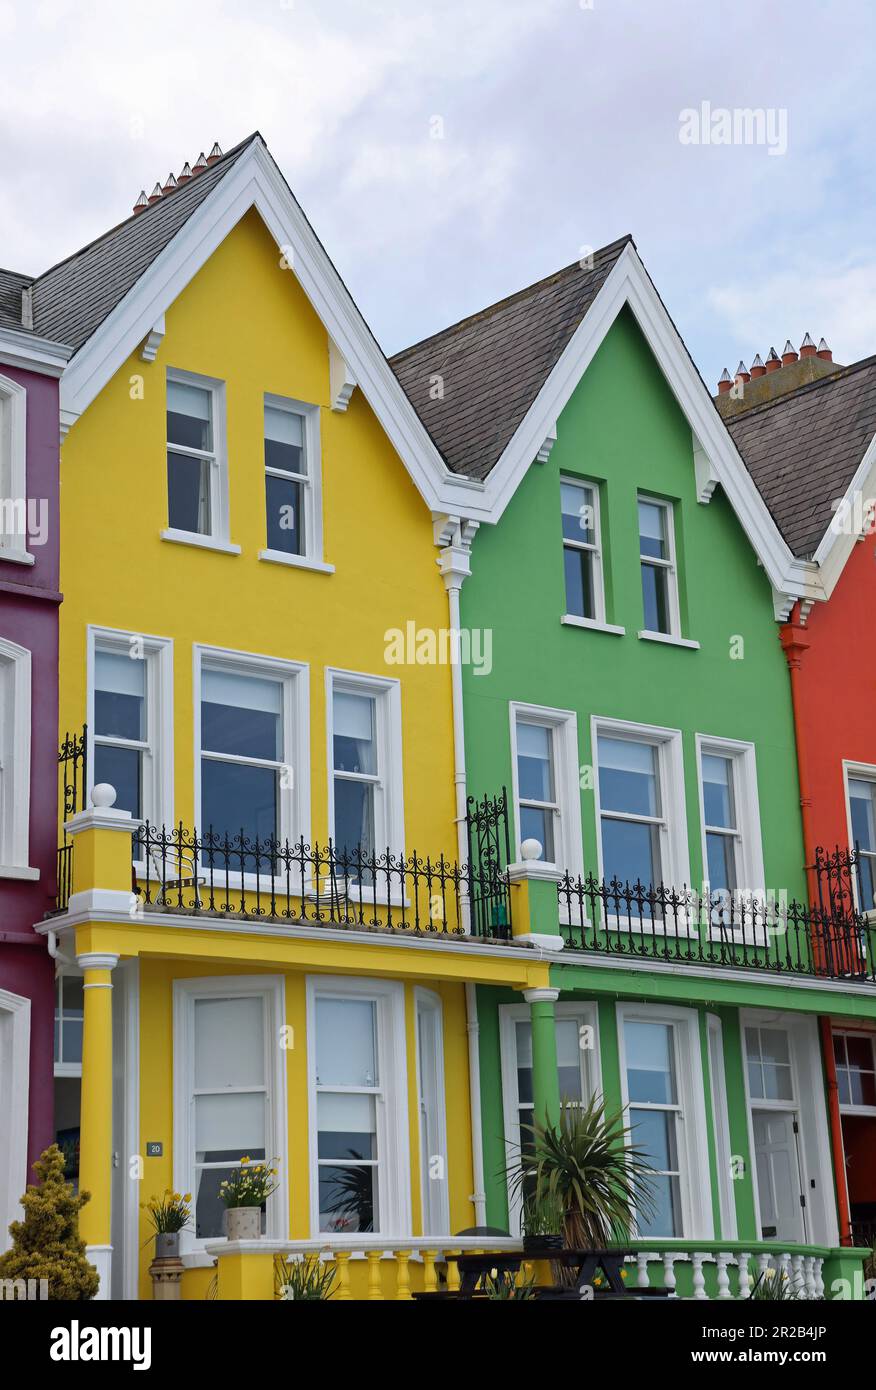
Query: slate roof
<point>71,300</point>
<point>11,285</point>
<point>803,449</point>
<point>494,363</point>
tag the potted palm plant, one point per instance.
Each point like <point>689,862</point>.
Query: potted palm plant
<point>586,1164</point>
<point>244,1194</point>
<point>543,1218</point>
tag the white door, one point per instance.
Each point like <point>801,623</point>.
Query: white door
<point>778,1176</point>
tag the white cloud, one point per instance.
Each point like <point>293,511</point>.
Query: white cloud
<point>837,303</point>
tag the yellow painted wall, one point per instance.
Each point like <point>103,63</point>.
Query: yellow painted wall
<point>245,320</point>
<point>156,1105</point>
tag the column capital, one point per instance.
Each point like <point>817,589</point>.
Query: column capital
<point>97,960</point>
<point>541,996</point>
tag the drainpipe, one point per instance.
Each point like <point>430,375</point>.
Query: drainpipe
<point>55,951</point>
<point>454,536</point>
<point>837,1148</point>
<point>795,641</point>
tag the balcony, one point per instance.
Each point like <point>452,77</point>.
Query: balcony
<point>829,940</point>
<point>238,877</point>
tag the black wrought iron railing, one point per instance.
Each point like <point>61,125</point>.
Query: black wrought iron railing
<point>242,876</point>
<point>750,932</point>
<point>72,773</point>
<point>489,852</point>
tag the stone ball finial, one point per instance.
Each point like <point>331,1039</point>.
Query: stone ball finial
<point>531,849</point>
<point>103,795</point>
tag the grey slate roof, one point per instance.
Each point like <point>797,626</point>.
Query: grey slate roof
<point>71,300</point>
<point>803,449</point>
<point>494,363</point>
<point>11,285</point>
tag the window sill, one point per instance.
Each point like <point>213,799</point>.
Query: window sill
<point>19,871</point>
<point>202,542</point>
<point>299,562</point>
<point>13,556</point>
<point>569,620</point>
<point>667,639</point>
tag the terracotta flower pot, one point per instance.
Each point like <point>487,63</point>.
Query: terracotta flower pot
<point>243,1223</point>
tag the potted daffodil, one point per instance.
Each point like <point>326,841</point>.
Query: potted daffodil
<point>244,1194</point>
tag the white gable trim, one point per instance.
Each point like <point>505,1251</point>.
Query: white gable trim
<point>837,543</point>
<point>255,181</point>
<point>716,457</point>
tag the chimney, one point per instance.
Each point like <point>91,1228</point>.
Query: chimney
<point>214,154</point>
<point>200,164</point>
<point>767,381</point>
<point>142,202</point>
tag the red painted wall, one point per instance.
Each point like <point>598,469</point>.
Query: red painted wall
<point>835,695</point>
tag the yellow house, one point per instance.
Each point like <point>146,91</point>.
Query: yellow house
<point>261,549</point>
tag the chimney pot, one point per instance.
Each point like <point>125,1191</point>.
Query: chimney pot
<point>824,351</point>
<point>774,361</point>
<point>185,173</point>
<point>807,347</point>
<point>142,202</point>
<point>789,354</point>
<point>757,367</point>
<point>742,371</point>
<point>214,154</point>
<point>155,194</point>
<point>725,382</point>
<point>170,183</point>
<point>200,164</point>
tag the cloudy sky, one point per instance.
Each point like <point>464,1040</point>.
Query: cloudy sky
<point>449,152</point>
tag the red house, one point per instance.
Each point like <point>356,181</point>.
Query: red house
<point>29,597</point>
<point>806,428</point>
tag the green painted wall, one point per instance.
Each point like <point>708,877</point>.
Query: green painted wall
<point>624,428</point>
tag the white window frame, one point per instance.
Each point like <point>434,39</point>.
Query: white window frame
<point>15,1012</point>
<point>389,779</point>
<point>849,1108</point>
<point>312,558</point>
<point>434,1191</point>
<point>294,803</point>
<point>859,772</point>
<point>15,741</point>
<point>721,1126</point>
<point>157,747</point>
<point>13,467</point>
<point>670,565</point>
<point>586,1014</point>
<point>563,726</point>
<point>816,1168</point>
<point>672,825</point>
<point>691,1133</point>
<point>63,1068</point>
<point>393,1140</point>
<point>218,535</point>
<point>748,837</point>
<point>594,549</point>
<point>272,989</point>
